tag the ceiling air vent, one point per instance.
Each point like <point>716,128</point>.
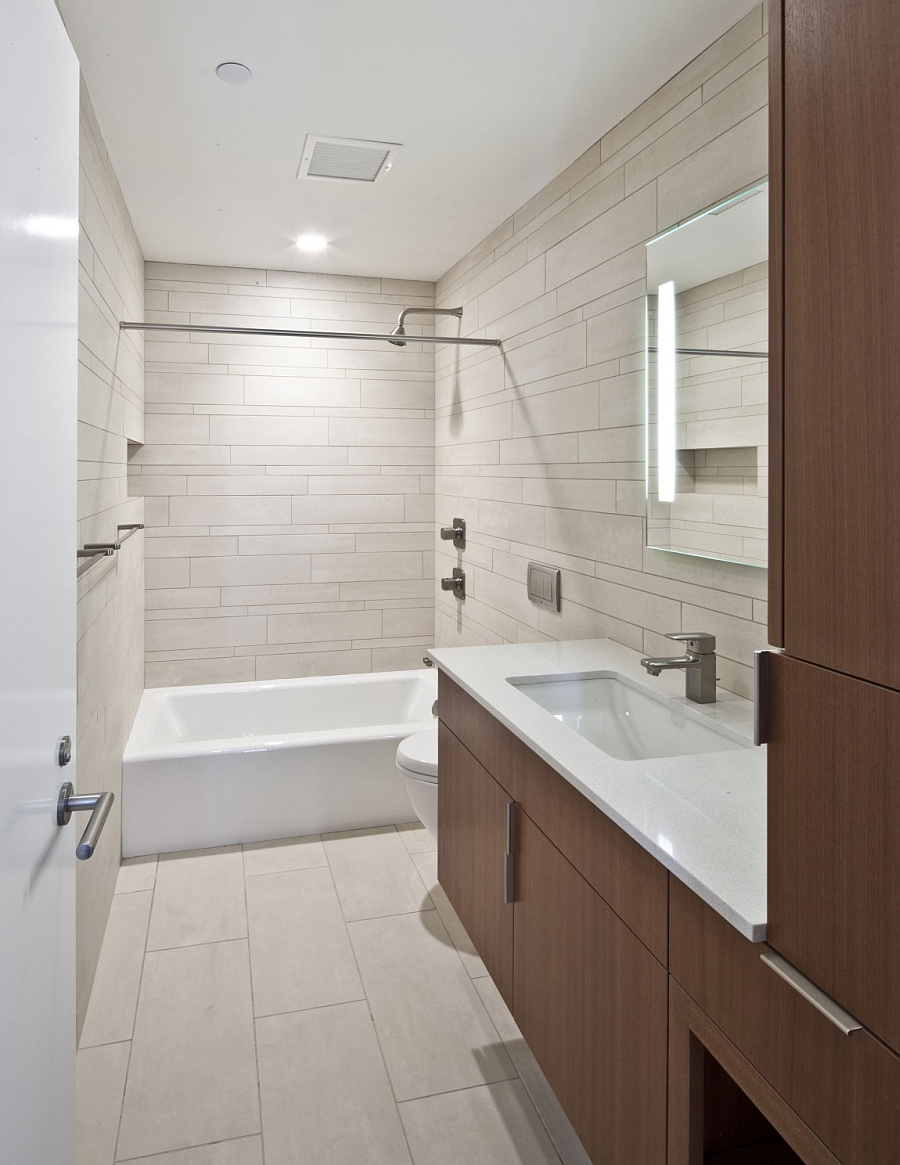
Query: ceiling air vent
<point>346,160</point>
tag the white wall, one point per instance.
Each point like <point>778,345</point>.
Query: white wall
<point>541,447</point>
<point>111,593</point>
<point>288,482</point>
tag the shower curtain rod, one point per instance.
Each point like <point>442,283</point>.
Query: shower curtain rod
<point>716,352</point>
<point>143,326</point>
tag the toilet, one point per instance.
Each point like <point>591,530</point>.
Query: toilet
<point>417,762</point>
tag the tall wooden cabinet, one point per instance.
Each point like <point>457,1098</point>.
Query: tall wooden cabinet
<point>834,708</point>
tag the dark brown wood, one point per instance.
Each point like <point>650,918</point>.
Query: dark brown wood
<point>731,1121</point>
<point>693,1037</point>
<point>841,335</point>
<point>632,882</point>
<point>471,845</point>
<point>845,1088</point>
<point>591,1002</point>
<point>834,837</point>
<point>776,322</point>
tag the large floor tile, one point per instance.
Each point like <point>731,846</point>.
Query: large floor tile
<point>246,1151</point>
<point>433,1028</point>
<point>557,1124</point>
<point>274,857</point>
<point>114,996</point>
<point>416,838</point>
<point>199,898</point>
<point>325,1094</point>
<point>492,1125</point>
<point>374,874</point>
<point>192,1077</point>
<point>426,864</point>
<point>300,953</point>
<point>100,1085</point>
<point>136,874</point>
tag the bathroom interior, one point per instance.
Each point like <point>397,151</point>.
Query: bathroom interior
<point>477,685</point>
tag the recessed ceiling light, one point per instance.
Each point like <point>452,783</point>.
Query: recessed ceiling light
<point>312,243</point>
<point>233,73</point>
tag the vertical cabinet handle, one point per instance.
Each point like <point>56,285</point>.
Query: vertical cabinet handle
<point>509,858</point>
<point>761,664</point>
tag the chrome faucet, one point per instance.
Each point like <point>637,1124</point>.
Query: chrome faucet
<point>698,662</point>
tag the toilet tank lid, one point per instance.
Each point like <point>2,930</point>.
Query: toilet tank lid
<point>419,753</point>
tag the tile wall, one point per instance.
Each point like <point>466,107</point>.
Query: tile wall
<point>541,447</point>
<point>288,483</point>
<point>111,593</point>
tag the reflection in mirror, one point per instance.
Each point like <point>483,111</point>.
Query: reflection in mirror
<point>707,383</point>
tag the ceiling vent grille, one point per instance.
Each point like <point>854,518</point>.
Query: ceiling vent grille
<point>346,160</point>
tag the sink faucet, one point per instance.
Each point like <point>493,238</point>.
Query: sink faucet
<point>698,662</point>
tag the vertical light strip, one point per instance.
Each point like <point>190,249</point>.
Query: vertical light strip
<point>665,394</point>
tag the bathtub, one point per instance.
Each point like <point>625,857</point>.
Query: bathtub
<point>215,764</point>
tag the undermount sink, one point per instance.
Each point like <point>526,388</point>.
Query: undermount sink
<point>621,719</point>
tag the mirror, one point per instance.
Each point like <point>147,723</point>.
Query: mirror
<point>707,383</point>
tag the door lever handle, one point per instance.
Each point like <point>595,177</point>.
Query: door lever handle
<point>99,805</point>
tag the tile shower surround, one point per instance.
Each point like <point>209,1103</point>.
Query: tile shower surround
<point>541,446</point>
<point>111,594</point>
<point>288,483</point>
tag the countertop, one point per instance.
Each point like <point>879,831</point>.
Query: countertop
<point>702,816</point>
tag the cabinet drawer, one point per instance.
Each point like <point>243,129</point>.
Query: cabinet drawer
<point>632,882</point>
<point>845,1088</point>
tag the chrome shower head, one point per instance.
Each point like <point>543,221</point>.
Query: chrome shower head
<point>399,331</point>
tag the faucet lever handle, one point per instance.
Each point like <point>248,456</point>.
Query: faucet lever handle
<point>699,642</point>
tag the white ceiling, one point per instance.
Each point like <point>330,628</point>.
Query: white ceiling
<point>490,98</point>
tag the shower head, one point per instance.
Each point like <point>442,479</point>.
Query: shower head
<point>399,331</point>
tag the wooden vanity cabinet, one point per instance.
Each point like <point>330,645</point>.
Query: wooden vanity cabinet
<point>590,1000</point>
<point>832,1097</point>
<point>472,811</point>
<point>588,993</point>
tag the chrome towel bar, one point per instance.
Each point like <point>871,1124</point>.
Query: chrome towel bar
<point>91,551</point>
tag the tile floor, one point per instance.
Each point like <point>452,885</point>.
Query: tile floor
<point>306,1002</point>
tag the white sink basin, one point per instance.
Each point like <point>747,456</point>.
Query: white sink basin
<point>621,719</point>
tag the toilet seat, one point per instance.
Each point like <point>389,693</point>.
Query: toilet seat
<point>418,755</point>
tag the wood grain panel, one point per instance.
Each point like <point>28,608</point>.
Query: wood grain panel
<point>633,882</point>
<point>776,323</point>
<point>845,1088</point>
<point>471,848</point>
<point>693,1037</point>
<point>834,837</point>
<point>591,1002</point>
<point>841,335</point>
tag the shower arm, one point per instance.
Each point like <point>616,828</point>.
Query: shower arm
<point>429,311</point>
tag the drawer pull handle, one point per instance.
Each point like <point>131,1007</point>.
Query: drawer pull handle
<point>811,993</point>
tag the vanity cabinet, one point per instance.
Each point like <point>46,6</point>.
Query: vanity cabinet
<point>473,813</point>
<point>589,995</point>
<point>832,1097</point>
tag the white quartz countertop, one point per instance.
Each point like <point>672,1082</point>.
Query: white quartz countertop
<point>702,816</point>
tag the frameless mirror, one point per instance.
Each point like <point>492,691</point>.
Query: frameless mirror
<point>707,383</point>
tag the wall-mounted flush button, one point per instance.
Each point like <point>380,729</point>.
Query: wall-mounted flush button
<point>543,586</point>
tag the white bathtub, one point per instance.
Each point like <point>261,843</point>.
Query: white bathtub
<point>221,763</point>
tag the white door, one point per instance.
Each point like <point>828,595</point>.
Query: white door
<point>38,362</point>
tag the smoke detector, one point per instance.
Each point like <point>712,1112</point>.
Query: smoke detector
<point>346,159</point>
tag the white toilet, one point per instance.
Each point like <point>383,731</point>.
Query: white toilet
<point>417,760</point>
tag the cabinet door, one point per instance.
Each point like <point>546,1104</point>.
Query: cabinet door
<point>834,837</point>
<point>472,837</point>
<point>839,339</point>
<point>591,1002</point>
